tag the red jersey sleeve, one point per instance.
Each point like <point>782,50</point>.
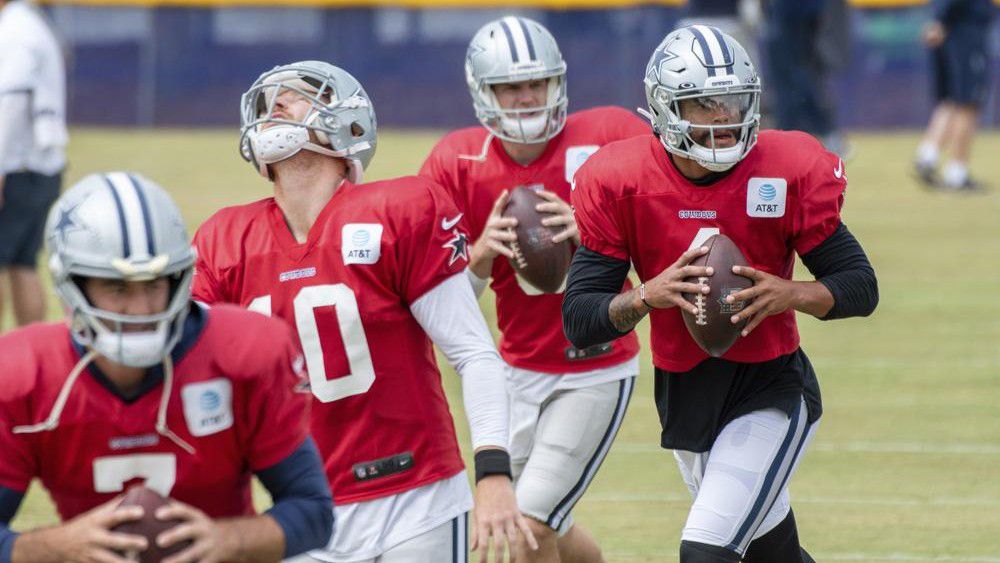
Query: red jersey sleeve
<point>277,413</point>
<point>820,199</point>
<point>205,286</point>
<point>435,246</point>
<point>595,212</point>
<point>17,464</point>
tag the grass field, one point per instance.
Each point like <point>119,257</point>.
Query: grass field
<point>906,463</point>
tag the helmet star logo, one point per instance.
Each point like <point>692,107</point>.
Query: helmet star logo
<point>67,221</point>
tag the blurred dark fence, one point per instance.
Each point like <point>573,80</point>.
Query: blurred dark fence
<point>183,66</point>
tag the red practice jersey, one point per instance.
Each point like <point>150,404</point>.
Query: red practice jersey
<point>530,321</point>
<point>233,398</point>
<point>784,197</point>
<point>381,419</point>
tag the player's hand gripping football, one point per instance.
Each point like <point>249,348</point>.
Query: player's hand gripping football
<point>667,289</point>
<point>209,542</point>
<point>497,234</point>
<point>88,537</point>
<point>769,294</point>
<point>561,214</point>
<point>497,519</point>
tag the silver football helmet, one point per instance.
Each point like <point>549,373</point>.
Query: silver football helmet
<point>341,122</point>
<point>515,49</point>
<point>120,226</point>
<point>702,65</point>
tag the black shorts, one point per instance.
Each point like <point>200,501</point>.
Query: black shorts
<point>694,406</point>
<point>27,197</point>
<point>962,69</point>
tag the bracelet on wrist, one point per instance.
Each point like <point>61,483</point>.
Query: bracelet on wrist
<point>642,296</point>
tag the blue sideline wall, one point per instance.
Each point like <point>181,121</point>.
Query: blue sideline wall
<point>184,66</point>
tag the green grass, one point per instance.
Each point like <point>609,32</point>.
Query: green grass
<point>904,466</point>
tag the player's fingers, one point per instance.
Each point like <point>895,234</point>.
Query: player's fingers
<point>690,255</point>
<point>120,515</point>
<point>122,542</point>
<point>748,272</point>
<point>756,320</point>
<point>552,220</point>
<point>695,272</point>
<point>529,536</point>
<point>549,207</point>
<point>679,301</point>
<point>500,248</point>
<point>499,544</point>
<point>692,288</point>
<point>475,535</point>
<point>754,309</point>
<point>505,235</point>
<point>484,545</point>
<point>551,196</point>
<point>105,556</point>
<point>502,223</point>
<point>178,533</point>
<point>565,234</point>
<point>500,203</point>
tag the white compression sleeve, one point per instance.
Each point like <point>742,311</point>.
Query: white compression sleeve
<point>450,315</point>
<point>478,283</point>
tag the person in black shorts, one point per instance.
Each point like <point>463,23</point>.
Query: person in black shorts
<point>958,37</point>
<point>32,148</point>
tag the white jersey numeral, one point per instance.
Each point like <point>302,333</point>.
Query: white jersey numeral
<point>702,235</point>
<point>112,472</point>
<point>359,357</point>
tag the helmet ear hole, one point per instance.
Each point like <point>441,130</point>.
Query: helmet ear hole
<point>357,130</point>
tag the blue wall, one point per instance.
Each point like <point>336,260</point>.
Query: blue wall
<point>188,66</point>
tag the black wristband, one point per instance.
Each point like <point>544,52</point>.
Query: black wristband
<point>491,462</point>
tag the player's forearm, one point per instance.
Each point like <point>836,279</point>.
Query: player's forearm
<point>481,263</point>
<point>43,545</point>
<point>255,539</point>
<point>812,298</point>
<point>626,310</point>
<point>593,283</point>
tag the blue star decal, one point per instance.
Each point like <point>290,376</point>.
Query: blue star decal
<point>66,221</point>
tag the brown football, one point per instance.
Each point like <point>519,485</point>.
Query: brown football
<point>539,261</point>
<point>148,526</point>
<point>712,328</point>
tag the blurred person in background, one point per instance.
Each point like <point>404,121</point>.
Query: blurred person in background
<point>958,38</point>
<point>32,147</point>
<point>807,40</point>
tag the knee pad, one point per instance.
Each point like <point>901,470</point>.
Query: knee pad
<point>694,552</point>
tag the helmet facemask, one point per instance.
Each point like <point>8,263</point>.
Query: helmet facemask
<point>524,125</point>
<point>714,127</point>
<point>334,125</point>
<point>108,332</point>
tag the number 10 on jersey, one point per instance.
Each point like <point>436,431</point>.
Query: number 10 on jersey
<point>345,304</point>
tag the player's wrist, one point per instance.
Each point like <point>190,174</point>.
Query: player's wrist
<point>490,462</point>
<point>640,302</point>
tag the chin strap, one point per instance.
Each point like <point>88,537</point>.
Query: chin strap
<point>482,154</point>
<point>161,416</point>
<point>52,421</point>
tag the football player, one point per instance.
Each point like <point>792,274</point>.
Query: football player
<point>739,424</point>
<point>368,274</point>
<point>566,402</point>
<point>143,384</point>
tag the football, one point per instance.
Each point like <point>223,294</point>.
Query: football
<point>539,261</point>
<point>712,328</point>
<point>148,526</point>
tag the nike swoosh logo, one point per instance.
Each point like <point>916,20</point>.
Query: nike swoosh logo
<point>447,224</point>
<point>838,172</point>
